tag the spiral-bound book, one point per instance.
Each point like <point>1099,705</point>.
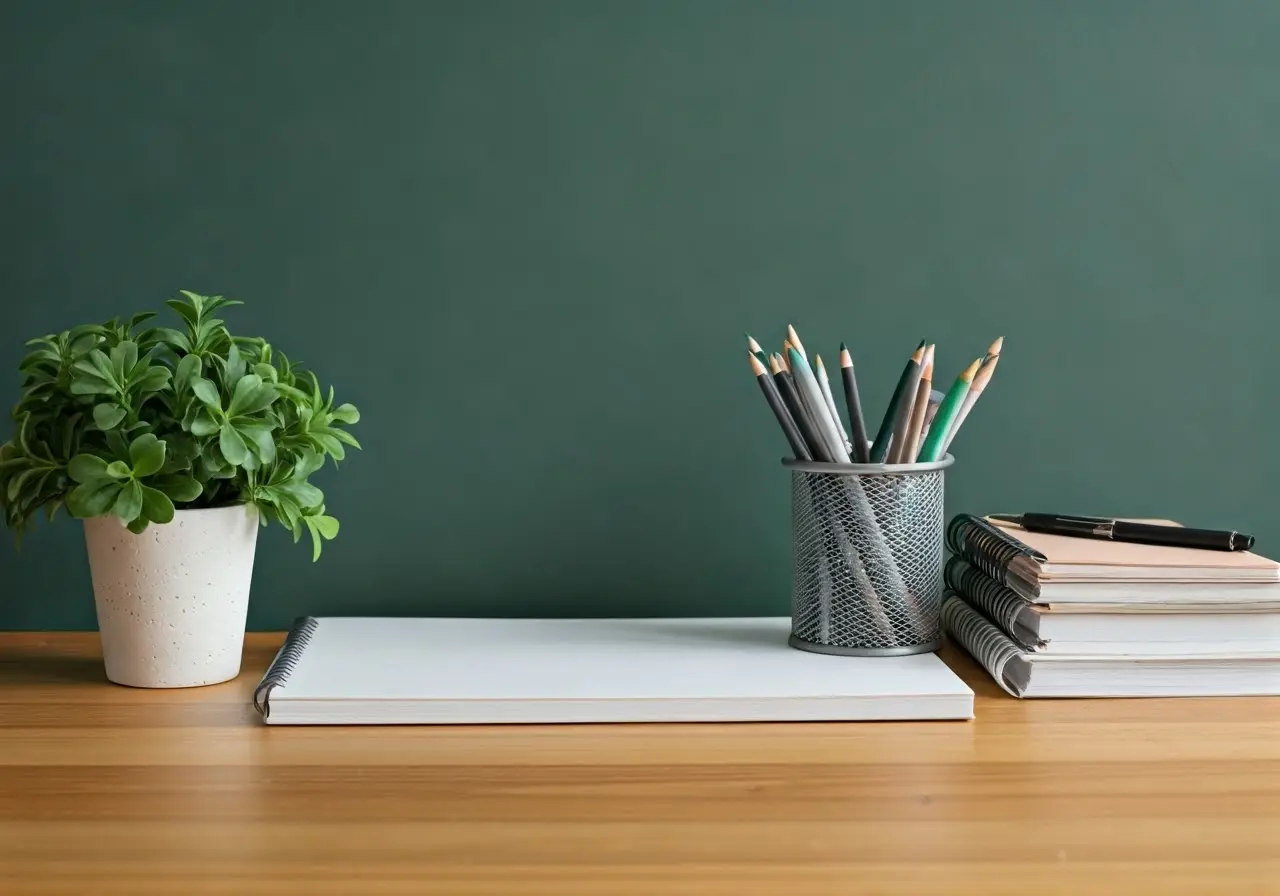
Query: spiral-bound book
<point>1023,673</point>
<point>1058,569</point>
<point>372,671</point>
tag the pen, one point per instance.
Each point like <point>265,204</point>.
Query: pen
<point>1107,529</point>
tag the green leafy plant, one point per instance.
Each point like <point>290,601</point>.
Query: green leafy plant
<point>135,421</point>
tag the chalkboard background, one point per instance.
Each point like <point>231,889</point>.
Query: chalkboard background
<point>526,239</point>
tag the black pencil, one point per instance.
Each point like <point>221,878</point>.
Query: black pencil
<point>770,390</point>
<point>787,388</point>
<point>903,396</point>
<point>857,426</point>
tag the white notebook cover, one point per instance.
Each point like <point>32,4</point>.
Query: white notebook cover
<point>384,671</point>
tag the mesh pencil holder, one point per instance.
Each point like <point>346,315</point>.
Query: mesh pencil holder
<point>867,556</point>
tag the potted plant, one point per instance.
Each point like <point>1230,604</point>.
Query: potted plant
<point>173,446</point>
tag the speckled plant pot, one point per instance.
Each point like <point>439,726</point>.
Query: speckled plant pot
<point>172,602</point>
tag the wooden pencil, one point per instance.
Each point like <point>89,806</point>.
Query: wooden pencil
<point>931,450</point>
<point>902,394</point>
<point>770,389</point>
<point>919,408</point>
<point>791,398</point>
<point>979,385</point>
<point>825,385</point>
<point>755,349</point>
<point>811,393</point>
<point>795,342</point>
<point>853,402</point>
<point>935,399</point>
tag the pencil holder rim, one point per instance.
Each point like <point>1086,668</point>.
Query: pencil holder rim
<point>817,466</point>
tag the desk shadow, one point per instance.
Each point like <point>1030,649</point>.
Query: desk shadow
<point>33,667</point>
<point>729,633</point>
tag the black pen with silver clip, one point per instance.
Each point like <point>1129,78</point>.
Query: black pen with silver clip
<point>1122,530</point>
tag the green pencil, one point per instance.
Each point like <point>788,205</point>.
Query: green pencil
<point>755,349</point>
<point>947,411</point>
<point>906,384</point>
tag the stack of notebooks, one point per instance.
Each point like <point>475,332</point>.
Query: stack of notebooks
<point>1060,616</point>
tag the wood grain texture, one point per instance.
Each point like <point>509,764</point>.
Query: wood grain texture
<point>112,790</point>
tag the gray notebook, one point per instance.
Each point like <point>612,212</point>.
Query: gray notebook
<point>370,671</point>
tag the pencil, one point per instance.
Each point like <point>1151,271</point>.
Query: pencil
<point>947,411</point>
<point>786,351</point>
<point>935,399</point>
<point>919,408</point>
<point>755,349</point>
<point>791,398</point>
<point>825,385</point>
<point>985,372</point>
<point>853,402</point>
<point>770,390</point>
<point>994,350</point>
<point>795,341</point>
<point>811,393</point>
<point>906,383</point>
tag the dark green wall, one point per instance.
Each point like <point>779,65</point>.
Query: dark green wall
<point>526,239</point>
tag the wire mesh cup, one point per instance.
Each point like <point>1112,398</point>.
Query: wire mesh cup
<point>867,556</point>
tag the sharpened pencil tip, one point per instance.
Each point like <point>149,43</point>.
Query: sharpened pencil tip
<point>968,372</point>
<point>994,350</point>
<point>752,345</point>
<point>918,354</point>
<point>817,362</point>
<point>756,367</point>
<point>985,373</point>
<point>926,371</point>
<point>775,366</point>
<point>846,359</point>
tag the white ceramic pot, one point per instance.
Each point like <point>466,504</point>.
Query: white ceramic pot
<point>172,602</point>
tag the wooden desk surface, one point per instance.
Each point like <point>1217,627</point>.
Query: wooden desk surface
<point>105,789</point>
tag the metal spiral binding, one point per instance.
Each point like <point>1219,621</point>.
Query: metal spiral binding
<point>287,658</point>
<point>985,547</point>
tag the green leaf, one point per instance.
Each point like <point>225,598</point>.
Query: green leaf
<point>87,468</point>
<point>108,416</point>
<point>204,424</point>
<point>129,502</point>
<point>174,338</point>
<point>319,526</point>
<point>118,469</point>
<point>146,453</point>
<point>235,364</point>
<point>123,357</point>
<point>206,391</point>
<point>251,396</point>
<point>179,488</point>
<point>119,445</point>
<point>307,463</point>
<point>346,413</point>
<point>84,384</point>
<point>93,499</point>
<point>98,364</point>
<point>232,445</point>
<point>260,441</point>
<point>138,526</point>
<point>343,436</point>
<point>153,380</point>
<point>306,494</point>
<point>327,526</point>
<point>188,368</point>
<point>156,505</point>
<point>330,444</point>
<point>181,451</point>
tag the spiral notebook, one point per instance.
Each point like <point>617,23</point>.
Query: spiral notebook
<point>1057,569</point>
<point>1027,674</point>
<point>378,671</point>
